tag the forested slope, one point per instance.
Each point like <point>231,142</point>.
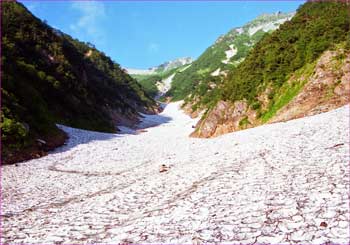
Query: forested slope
<point>200,84</point>
<point>279,67</point>
<point>49,77</point>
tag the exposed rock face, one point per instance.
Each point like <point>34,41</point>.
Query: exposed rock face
<point>264,98</point>
<point>128,119</point>
<point>187,108</point>
<point>174,64</point>
<point>131,118</point>
<point>225,117</point>
<point>328,88</point>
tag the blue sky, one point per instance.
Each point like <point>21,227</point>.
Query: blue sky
<point>145,34</point>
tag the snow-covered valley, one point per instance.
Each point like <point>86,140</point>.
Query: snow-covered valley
<point>279,183</point>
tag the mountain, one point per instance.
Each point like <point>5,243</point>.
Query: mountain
<point>48,77</point>
<point>166,66</point>
<point>301,69</point>
<point>155,80</point>
<point>170,65</point>
<point>197,84</point>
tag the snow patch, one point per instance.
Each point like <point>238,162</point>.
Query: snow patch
<point>267,26</point>
<point>88,53</point>
<point>185,68</point>
<point>164,85</point>
<point>229,54</point>
<point>240,30</point>
<point>216,73</point>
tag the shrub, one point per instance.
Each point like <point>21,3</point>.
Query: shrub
<point>12,130</point>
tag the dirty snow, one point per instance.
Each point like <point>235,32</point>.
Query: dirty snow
<point>239,30</point>
<point>215,73</point>
<point>89,53</point>
<point>164,85</point>
<point>278,183</point>
<point>167,83</point>
<point>229,54</point>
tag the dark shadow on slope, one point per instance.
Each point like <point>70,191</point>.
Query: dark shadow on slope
<point>149,121</point>
<point>146,121</point>
<point>80,136</point>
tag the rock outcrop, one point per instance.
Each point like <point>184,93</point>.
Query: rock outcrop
<point>224,118</point>
<point>327,88</point>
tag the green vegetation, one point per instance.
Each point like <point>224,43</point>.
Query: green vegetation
<point>185,82</point>
<point>48,77</point>
<point>148,82</point>
<point>287,92</point>
<point>264,18</point>
<point>316,27</point>
<point>193,84</point>
<point>244,122</point>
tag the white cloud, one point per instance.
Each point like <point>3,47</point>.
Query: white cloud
<point>92,13</point>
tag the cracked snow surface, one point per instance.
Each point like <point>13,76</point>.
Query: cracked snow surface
<point>278,183</point>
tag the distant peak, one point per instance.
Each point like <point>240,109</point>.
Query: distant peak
<point>265,22</point>
<point>168,65</point>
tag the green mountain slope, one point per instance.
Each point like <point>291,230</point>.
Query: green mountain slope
<point>149,82</point>
<point>197,83</point>
<point>49,78</point>
<point>151,79</point>
<point>278,68</point>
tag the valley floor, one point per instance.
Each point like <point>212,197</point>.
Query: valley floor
<point>278,183</point>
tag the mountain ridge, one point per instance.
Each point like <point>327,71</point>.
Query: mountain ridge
<point>279,67</point>
<point>155,81</point>
<point>49,77</point>
<point>168,65</point>
<point>197,84</point>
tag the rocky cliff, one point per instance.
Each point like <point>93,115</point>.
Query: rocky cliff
<point>323,87</point>
<point>297,70</point>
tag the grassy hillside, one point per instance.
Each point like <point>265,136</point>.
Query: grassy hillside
<point>48,77</point>
<point>148,82</point>
<point>316,27</point>
<point>198,80</point>
<point>279,67</point>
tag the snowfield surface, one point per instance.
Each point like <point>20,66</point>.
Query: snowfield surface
<point>278,183</point>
